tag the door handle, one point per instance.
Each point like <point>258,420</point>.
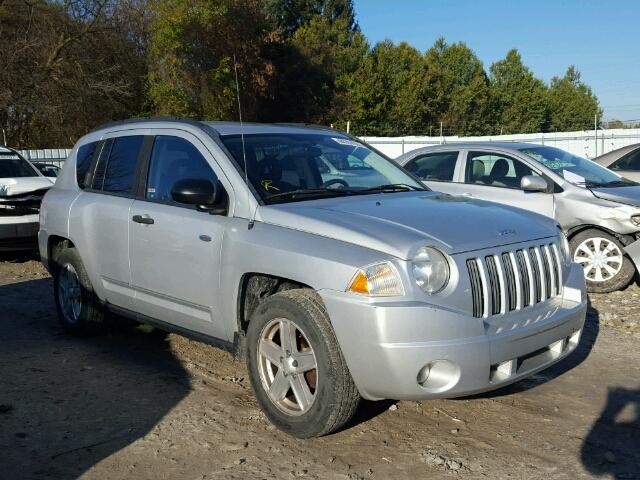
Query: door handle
<point>145,220</point>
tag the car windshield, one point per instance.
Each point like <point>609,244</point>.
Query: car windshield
<point>12,166</point>
<point>291,167</point>
<point>574,169</point>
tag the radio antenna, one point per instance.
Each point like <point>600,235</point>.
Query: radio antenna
<point>244,152</point>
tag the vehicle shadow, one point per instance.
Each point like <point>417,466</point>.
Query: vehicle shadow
<point>587,341</point>
<point>612,446</point>
<point>68,403</point>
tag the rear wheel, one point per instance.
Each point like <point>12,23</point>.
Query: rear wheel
<point>296,367</point>
<point>79,310</point>
<point>601,255</point>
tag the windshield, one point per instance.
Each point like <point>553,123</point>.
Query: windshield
<point>294,167</point>
<point>12,166</point>
<point>574,169</point>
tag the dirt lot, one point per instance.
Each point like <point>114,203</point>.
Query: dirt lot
<point>141,404</point>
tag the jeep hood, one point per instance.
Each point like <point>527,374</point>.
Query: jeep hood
<point>627,195</point>
<point>400,223</point>
<point>18,186</point>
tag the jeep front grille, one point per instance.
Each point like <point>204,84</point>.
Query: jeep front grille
<point>514,280</point>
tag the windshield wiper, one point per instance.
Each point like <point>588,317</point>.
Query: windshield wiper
<point>392,187</point>
<point>613,183</point>
<point>308,192</point>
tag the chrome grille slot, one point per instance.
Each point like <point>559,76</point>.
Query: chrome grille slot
<point>510,279</point>
<point>537,278</point>
<point>514,279</point>
<point>494,284</point>
<point>476,287</point>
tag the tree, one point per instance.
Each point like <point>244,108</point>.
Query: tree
<point>51,90</point>
<point>572,105</point>
<point>334,52</point>
<point>191,52</point>
<point>460,88</point>
<point>287,16</point>
<point>521,97</point>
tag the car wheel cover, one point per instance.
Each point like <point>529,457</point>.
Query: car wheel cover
<point>601,259</point>
<point>287,366</point>
<point>69,293</point>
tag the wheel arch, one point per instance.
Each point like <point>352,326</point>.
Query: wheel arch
<point>56,243</point>
<point>625,239</point>
<point>255,287</point>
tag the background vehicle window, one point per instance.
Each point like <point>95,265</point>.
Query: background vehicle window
<point>434,166</point>
<point>174,159</point>
<point>84,158</point>
<point>630,161</point>
<point>121,166</point>
<point>495,170</point>
<point>13,166</point>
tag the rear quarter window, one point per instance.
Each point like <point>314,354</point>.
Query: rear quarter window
<point>84,157</point>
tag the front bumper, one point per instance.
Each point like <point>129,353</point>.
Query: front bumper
<point>17,233</point>
<point>389,346</point>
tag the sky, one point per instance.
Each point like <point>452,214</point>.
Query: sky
<point>601,38</point>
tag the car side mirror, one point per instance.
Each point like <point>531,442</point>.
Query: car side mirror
<point>533,183</point>
<point>205,195</point>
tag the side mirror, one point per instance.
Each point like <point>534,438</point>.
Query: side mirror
<point>533,183</point>
<point>203,193</point>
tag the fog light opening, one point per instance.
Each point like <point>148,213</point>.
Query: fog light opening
<point>438,376</point>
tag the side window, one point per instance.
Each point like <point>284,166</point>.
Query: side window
<point>173,159</point>
<point>630,161</point>
<point>121,165</point>
<point>438,166</point>
<point>84,157</point>
<point>495,170</point>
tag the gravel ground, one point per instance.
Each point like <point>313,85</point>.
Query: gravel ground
<point>138,403</point>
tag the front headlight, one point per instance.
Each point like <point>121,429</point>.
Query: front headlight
<point>564,246</point>
<point>431,270</point>
<point>379,280</point>
<point>635,219</point>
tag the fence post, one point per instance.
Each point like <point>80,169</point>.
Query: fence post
<point>402,145</point>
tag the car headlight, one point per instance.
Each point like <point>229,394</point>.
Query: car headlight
<point>430,270</point>
<point>564,246</point>
<point>635,219</point>
<point>379,280</point>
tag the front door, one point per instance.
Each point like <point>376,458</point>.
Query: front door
<point>175,249</point>
<point>496,177</point>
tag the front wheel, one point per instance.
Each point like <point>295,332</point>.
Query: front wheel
<point>296,367</point>
<point>606,267</point>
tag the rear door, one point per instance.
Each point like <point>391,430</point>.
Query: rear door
<point>496,176</point>
<point>99,217</point>
<point>628,166</point>
<point>175,249</point>
<point>438,170</point>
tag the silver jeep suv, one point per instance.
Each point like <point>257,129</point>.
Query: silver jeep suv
<point>332,287</point>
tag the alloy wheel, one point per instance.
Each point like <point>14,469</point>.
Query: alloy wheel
<point>69,293</point>
<point>287,366</point>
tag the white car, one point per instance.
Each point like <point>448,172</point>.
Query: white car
<point>22,187</point>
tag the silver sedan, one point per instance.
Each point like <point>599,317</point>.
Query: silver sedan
<point>624,161</point>
<point>597,208</point>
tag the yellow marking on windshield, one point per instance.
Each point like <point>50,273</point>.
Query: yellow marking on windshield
<point>268,185</point>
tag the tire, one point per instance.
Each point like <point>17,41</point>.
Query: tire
<point>607,274</point>
<point>334,396</point>
<point>88,317</point>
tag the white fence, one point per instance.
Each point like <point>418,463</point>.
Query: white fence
<point>47,155</point>
<point>587,143</point>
